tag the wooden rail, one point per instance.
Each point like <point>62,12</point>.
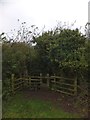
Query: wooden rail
<point>60,84</point>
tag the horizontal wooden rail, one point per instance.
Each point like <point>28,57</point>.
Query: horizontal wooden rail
<point>57,77</point>
<point>36,77</point>
<point>15,84</point>
<point>65,92</point>
<point>19,79</point>
<point>17,88</point>
<point>66,88</point>
<point>62,83</point>
<point>36,80</point>
<point>26,79</point>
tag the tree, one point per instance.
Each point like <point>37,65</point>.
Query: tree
<point>63,48</point>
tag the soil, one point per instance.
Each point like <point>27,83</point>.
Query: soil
<point>62,101</point>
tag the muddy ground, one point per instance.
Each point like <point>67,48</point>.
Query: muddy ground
<point>62,101</point>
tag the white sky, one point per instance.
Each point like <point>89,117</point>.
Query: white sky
<point>42,12</point>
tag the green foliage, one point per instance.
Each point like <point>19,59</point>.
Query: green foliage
<point>42,46</point>
<point>61,51</point>
<point>57,50</point>
<point>15,59</point>
<point>6,92</point>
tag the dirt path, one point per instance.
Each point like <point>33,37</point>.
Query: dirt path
<point>60,100</point>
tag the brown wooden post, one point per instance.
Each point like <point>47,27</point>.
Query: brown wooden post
<point>54,82</point>
<point>40,78</point>
<point>54,78</point>
<point>12,84</point>
<point>48,82</point>
<point>22,83</point>
<point>75,87</point>
<point>30,81</point>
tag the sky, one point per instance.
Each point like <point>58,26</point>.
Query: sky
<point>42,13</point>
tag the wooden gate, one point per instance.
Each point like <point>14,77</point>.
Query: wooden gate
<point>64,85</point>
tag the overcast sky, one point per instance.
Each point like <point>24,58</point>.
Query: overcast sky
<point>42,12</point>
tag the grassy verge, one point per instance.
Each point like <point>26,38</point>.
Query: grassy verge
<point>20,107</point>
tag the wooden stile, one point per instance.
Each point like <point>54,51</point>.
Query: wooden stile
<point>55,83</point>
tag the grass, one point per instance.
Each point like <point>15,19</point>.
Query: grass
<point>20,107</point>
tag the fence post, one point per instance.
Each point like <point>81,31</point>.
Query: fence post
<point>54,78</point>
<point>40,78</point>
<point>30,81</point>
<point>75,87</point>
<point>54,82</point>
<point>12,83</point>
<point>48,82</point>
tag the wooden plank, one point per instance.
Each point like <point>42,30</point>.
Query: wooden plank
<point>68,79</point>
<point>66,88</point>
<point>18,83</point>
<point>80,87</point>
<point>17,88</point>
<point>26,79</point>
<point>65,92</point>
<point>62,83</point>
<point>58,77</point>
<point>35,79</point>
<point>62,91</point>
<point>18,79</point>
<point>35,82</point>
<point>38,77</point>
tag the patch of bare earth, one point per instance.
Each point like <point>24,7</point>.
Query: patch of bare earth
<point>62,101</point>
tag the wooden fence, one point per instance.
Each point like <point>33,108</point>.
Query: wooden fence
<point>64,85</point>
<point>60,84</point>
